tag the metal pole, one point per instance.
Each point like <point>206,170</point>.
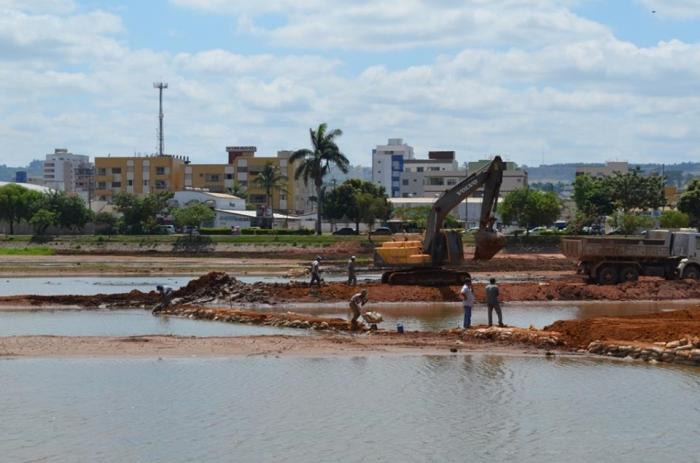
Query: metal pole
<point>160,86</point>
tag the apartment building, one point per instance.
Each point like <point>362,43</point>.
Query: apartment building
<point>138,175</point>
<point>388,163</point>
<point>72,173</point>
<point>514,177</point>
<point>431,176</point>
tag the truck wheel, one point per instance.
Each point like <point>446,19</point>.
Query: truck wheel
<point>629,273</point>
<point>607,275</point>
<point>691,273</point>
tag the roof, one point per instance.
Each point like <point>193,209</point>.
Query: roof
<point>29,186</point>
<point>253,214</point>
<point>429,200</point>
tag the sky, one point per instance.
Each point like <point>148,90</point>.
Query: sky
<point>536,81</point>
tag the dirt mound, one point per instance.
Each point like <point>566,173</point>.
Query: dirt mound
<point>648,328</point>
<point>219,286</point>
<point>134,298</point>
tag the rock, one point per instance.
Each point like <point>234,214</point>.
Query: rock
<point>453,349</point>
<point>673,344</point>
<point>695,354</point>
<point>662,344</point>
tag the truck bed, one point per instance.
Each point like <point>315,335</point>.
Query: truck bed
<point>592,248</point>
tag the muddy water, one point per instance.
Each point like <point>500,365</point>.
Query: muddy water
<point>121,323</point>
<point>473,408</point>
<point>444,315</point>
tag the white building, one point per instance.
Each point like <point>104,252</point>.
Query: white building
<point>432,176</point>
<point>388,163</point>
<point>224,205</point>
<point>72,173</point>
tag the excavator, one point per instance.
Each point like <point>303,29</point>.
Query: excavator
<point>438,260</point>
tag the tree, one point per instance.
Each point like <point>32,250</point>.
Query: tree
<point>689,202</point>
<point>592,198</point>
<point>530,208</point>
<point>674,219</point>
<point>70,211</point>
<point>634,191</point>
<point>315,163</point>
<point>342,203</point>
<point>105,223</point>
<point>18,203</point>
<point>238,190</point>
<point>193,216</point>
<point>270,179</point>
<point>42,220</point>
<point>630,224</point>
<point>371,207</point>
<point>419,216</point>
<point>140,213</point>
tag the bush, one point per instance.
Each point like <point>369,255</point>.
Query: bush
<point>280,231</point>
<point>214,231</point>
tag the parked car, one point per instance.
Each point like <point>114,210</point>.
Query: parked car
<point>166,229</point>
<point>345,231</point>
<point>538,230</point>
<point>382,231</point>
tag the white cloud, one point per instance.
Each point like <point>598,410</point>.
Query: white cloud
<point>549,83</point>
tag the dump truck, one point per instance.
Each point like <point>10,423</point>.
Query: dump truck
<point>438,258</point>
<point>611,260</point>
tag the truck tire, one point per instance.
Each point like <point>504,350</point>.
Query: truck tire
<point>691,272</point>
<point>629,273</point>
<point>607,275</point>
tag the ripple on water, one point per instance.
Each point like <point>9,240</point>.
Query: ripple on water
<point>479,408</point>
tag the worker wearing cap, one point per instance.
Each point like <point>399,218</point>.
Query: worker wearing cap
<point>316,271</point>
<point>357,300</point>
<point>352,276</point>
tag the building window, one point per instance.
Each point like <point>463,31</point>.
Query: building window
<point>160,184</point>
<point>451,181</point>
<point>129,183</point>
<point>160,170</point>
<point>145,183</point>
<point>211,177</point>
<point>242,169</point>
<point>101,185</point>
<point>116,170</point>
<point>258,199</point>
<point>229,176</point>
<point>405,181</point>
<point>116,184</point>
<point>419,169</point>
<point>434,169</point>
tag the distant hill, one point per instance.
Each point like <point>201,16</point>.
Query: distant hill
<point>567,172</point>
<point>34,169</point>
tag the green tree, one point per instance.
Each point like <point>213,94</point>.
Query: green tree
<point>18,203</point>
<point>70,211</point>
<point>674,219</point>
<point>105,223</point>
<point>238,190</point>
<point>530,208</point>
<point>140,214</point>
<point>689,202</point>
<point>193,215</point>
<point>419,216</point>
<point>314,164</point>
<point>634,191</point>
<point>270,179</point>
<point>592,198</point>
<point>630,224</point>
<point>42,220</point>
<point>342,203</point>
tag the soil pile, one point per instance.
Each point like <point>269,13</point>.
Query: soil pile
<point>134,298</point>
<point>220,287</point>
<point>648,328</point>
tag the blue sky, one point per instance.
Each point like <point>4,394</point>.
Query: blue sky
<point>533,80</point>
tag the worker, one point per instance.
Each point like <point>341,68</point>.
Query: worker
<point>166,295</point>
<point>357,300</point>
<point>352,277</point>
<point>467,296</point>
<point>316,271</point>
<point>492,303</point>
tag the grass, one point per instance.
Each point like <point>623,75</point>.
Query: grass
<point>145,240</point>
<point>29,251</point>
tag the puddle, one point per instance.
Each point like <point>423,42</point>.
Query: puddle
<point>122,323</point>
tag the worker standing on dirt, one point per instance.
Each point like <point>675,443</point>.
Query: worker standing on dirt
<point>352,276</point>
<point>357,300</point>
<point>492,303</point>
<point>316,271</point>
<point>467,296</point>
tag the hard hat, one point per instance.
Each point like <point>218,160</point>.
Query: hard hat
<point>352,257</point>
<point>318,257</point>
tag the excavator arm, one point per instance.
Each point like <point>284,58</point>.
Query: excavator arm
<point>488,242</point>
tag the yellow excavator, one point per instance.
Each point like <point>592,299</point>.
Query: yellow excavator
<point>438,260</point>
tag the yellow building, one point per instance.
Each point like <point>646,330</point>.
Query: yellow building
<point>138,175</point>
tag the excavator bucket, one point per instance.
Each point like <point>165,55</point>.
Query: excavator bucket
<point>488,243</point>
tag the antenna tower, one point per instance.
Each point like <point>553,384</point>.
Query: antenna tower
<point>160,86</point>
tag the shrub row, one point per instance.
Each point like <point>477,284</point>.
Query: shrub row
<point>255,231</point>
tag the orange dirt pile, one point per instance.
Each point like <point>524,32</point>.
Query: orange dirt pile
<point>648,328</point>
<point>134,298</point>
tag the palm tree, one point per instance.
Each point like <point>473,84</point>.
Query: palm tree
<point>238,190</point>
<point>316,163</point>
<point>269,179</point>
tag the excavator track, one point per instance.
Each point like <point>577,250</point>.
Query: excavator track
<point>425,276</point>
